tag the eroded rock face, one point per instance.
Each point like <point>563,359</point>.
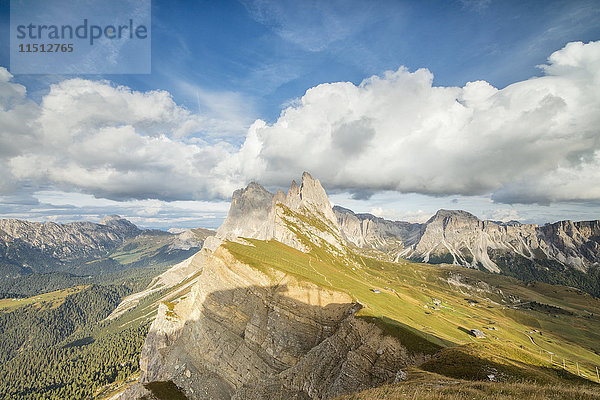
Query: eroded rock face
<point>366,230</point>
<point>458,237</point>
<point>258,214</point>
<point>244,334</point>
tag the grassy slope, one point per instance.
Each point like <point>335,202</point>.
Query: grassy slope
<point>424,385</point>
<point>43,301</point>
<point>406,288</point>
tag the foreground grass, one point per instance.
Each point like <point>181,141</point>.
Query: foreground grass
<point>422,385</point>
<point>465,390</point>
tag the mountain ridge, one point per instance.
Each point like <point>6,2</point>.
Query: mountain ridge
<point>40,247</point>
<point>458,237</point>
<point>279,305</point>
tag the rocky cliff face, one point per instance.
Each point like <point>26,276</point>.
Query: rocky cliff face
<point>366,230</point>
<point>243,333</point>
<point>457,237</point>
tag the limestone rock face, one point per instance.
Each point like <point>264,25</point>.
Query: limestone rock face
<point>458,237</point>
<point>258,214</point>
<point>242,334</point>
<point>249,214</point>
<point>572,243</point>
<point>366,230</point>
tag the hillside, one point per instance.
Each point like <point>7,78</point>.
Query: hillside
<point>40,257</point>
<point>280,304</point>
<point>59,337</point>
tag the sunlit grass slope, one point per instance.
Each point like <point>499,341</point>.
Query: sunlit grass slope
<point>42,301</point>
<point>520,335</point>
<point>424,385</point>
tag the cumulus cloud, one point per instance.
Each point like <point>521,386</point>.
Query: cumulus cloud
<point>534,141</point>
<point>106,140</point>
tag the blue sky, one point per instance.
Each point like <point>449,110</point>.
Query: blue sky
<point>231,63</point>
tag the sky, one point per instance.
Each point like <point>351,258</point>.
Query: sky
<point>400,108</point>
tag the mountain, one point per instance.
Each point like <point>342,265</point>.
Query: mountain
<point>66,330</point>
<point>27,247</point>
<point>564,252</point>
<point>279,304</point>
<point>37,257</point>
<point>301,218</point>
<point>367,230</point>
<point>246,332</point>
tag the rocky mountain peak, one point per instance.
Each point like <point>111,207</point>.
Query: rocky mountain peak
<point>248,213</point>
<point>108,219</point>
<point>312,192</point>
<point>120,224</point>
<point>453,215</point>
<point>279,197</point>
<point>50,244</point>
<point>257,213</point>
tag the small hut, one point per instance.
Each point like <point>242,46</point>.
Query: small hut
<point>477,333</point>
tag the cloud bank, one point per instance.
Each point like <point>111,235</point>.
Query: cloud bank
<point>535,141</point>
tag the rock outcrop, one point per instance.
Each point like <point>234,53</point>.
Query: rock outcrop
<point>298,218</point>
<point>240,332</point>
<point>366,230</point>
<point>243,334</point>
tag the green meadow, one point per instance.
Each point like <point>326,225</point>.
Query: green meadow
<point>529,328</point>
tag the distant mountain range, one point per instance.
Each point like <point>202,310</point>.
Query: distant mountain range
<point>86,248</point>
<point>564,252</point>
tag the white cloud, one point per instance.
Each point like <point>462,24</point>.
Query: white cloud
<point>419,216</point>
<point>106,140</point>
<point>502,215</point>
<point>534,141</point>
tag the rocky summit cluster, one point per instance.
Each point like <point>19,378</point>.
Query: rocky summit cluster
<point>458,237</point>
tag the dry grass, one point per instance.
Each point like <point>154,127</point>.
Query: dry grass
<point>422,385</point>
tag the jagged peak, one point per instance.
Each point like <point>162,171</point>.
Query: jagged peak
<point>279,197</point>
<point>312,191</point>
<point>111,218</point>
<point>457,214</point>
<point>252,187</point>
<point>294,189</point>
<point>254,212</point>
<point>306,175</point>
